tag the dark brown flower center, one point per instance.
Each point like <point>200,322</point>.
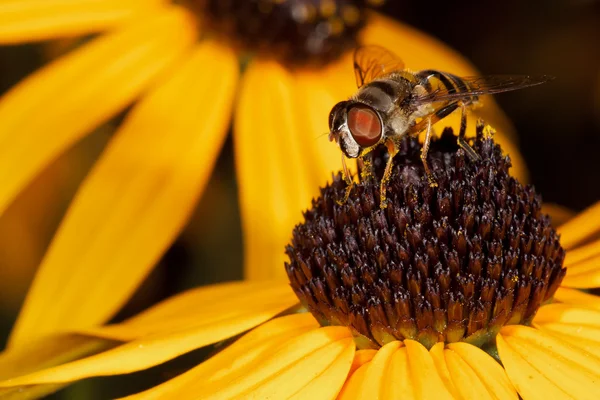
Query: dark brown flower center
<point>449,263</point>
<point>296,31</point>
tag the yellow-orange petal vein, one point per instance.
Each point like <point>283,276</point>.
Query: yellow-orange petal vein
<point>29,20</point>
<point>136,199</point>
<point>56,106</point>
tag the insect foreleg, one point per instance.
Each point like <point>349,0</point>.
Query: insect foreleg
<point>348,179</point>
<point>425,150</point>
<point>462,141</point>
<point>393,146</point>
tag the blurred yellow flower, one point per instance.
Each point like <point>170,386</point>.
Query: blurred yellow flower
<point>184,83</point>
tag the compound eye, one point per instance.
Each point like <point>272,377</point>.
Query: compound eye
<point>364,125</point>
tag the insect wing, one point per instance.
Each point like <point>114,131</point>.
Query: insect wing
<point>482,85</point>
<point>372,62</point>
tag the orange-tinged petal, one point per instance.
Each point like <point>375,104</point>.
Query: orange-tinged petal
<point>539,365</point>
<point>48,351</point>
<point>421,51</point>
<point>352,388</point>
<point>361,357</point>
<point>375,382</point>
<point>222,308</point>
<point>427,383</point>
<point>466,381</point>
<point>302,358</point>
<point>399,378</point>
<point>577,298</point>
<point>35,127</point>
<point>154,349</point>
<point>581,336</point>
<point>274,185</point>
<point>29,20</point>
<point>589,264</point>
<point>136,199</point>
<point>321,384</point>
<point>437,355</point>
<point>318,91</point>
<point>44,353</point>
<point>243,354</point>
<point>487,370</point>
<point>582,253</point>
<point>567,314</point>
<point>581,227</point>
<point>586,279</point>
<point>529,382</point>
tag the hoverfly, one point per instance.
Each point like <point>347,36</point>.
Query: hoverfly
<point>392,102</point>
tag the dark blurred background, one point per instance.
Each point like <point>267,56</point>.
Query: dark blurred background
<point>558,126</point>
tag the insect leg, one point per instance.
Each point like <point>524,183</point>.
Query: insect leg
<point>424,151</point>
<point>393,148</point>
<point>348,179</point>
<point>462,142</point>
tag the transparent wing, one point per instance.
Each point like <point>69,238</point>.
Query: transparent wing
<point>371,62</point>
<point>482,85</point>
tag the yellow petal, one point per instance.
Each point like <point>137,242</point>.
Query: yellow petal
<point>216,305</point>
<point>352,388</point>
<point>540,366</point>
<point>399,378</point>
<point>137,198</point>
<point>288,369</point>
<point>274,186</point>
<point>577,298</point>
<point>376,380</point>
<point>439,359</point>
<point>567,314</point>
<point>466,381</point>
<point>361,357</point>
<point>584,337</point>
<point>428,384</point>
<point>44,353</point>
<point>586,279</point>
<point>29,20</point>
<point>589,264</point>
<point>420,51</point>
<point>582,253</point>
<point>322,384</point>
<point>155,349</point>
<point>243,354</point>
<point>318,91</point>
<point>48,351</point>
<point>386,376</point>
<point>581,227</point>
<point>35,127</point>
<point>486,369</point>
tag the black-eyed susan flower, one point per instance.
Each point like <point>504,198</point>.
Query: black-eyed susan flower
<point>178,64</point>
<point>452,292</point>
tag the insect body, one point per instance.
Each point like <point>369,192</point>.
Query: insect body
<point>392,102</point>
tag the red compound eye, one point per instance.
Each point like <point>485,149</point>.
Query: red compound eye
<point>364,125</point>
